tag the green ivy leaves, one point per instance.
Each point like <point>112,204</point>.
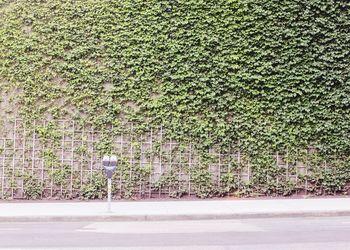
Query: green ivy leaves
<point>257,75</point>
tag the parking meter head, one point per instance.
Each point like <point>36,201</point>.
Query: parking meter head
<point>109,164</point>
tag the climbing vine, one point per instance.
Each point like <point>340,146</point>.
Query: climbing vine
<point>258,76</point>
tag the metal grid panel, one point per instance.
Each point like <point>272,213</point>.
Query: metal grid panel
<point>23,152</point>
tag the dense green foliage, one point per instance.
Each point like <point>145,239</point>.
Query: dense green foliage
<point>260,75</point>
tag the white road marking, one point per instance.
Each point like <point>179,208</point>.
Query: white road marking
<point>9,229</point>
<point>170,227</point>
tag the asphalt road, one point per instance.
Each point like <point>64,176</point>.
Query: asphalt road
<point>273,233</point>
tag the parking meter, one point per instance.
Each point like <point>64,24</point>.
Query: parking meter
<point>109,164</point>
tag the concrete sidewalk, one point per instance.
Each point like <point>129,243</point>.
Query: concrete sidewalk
<point>171,210</point>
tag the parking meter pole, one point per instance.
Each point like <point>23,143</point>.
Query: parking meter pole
<point>109,195</point>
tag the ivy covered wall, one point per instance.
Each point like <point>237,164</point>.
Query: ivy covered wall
<point>261,76</point>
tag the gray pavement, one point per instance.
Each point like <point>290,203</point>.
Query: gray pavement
<point>172,210</point>
<point>301,233</point>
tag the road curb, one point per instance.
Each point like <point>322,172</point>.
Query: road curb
<point>67,218</point>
